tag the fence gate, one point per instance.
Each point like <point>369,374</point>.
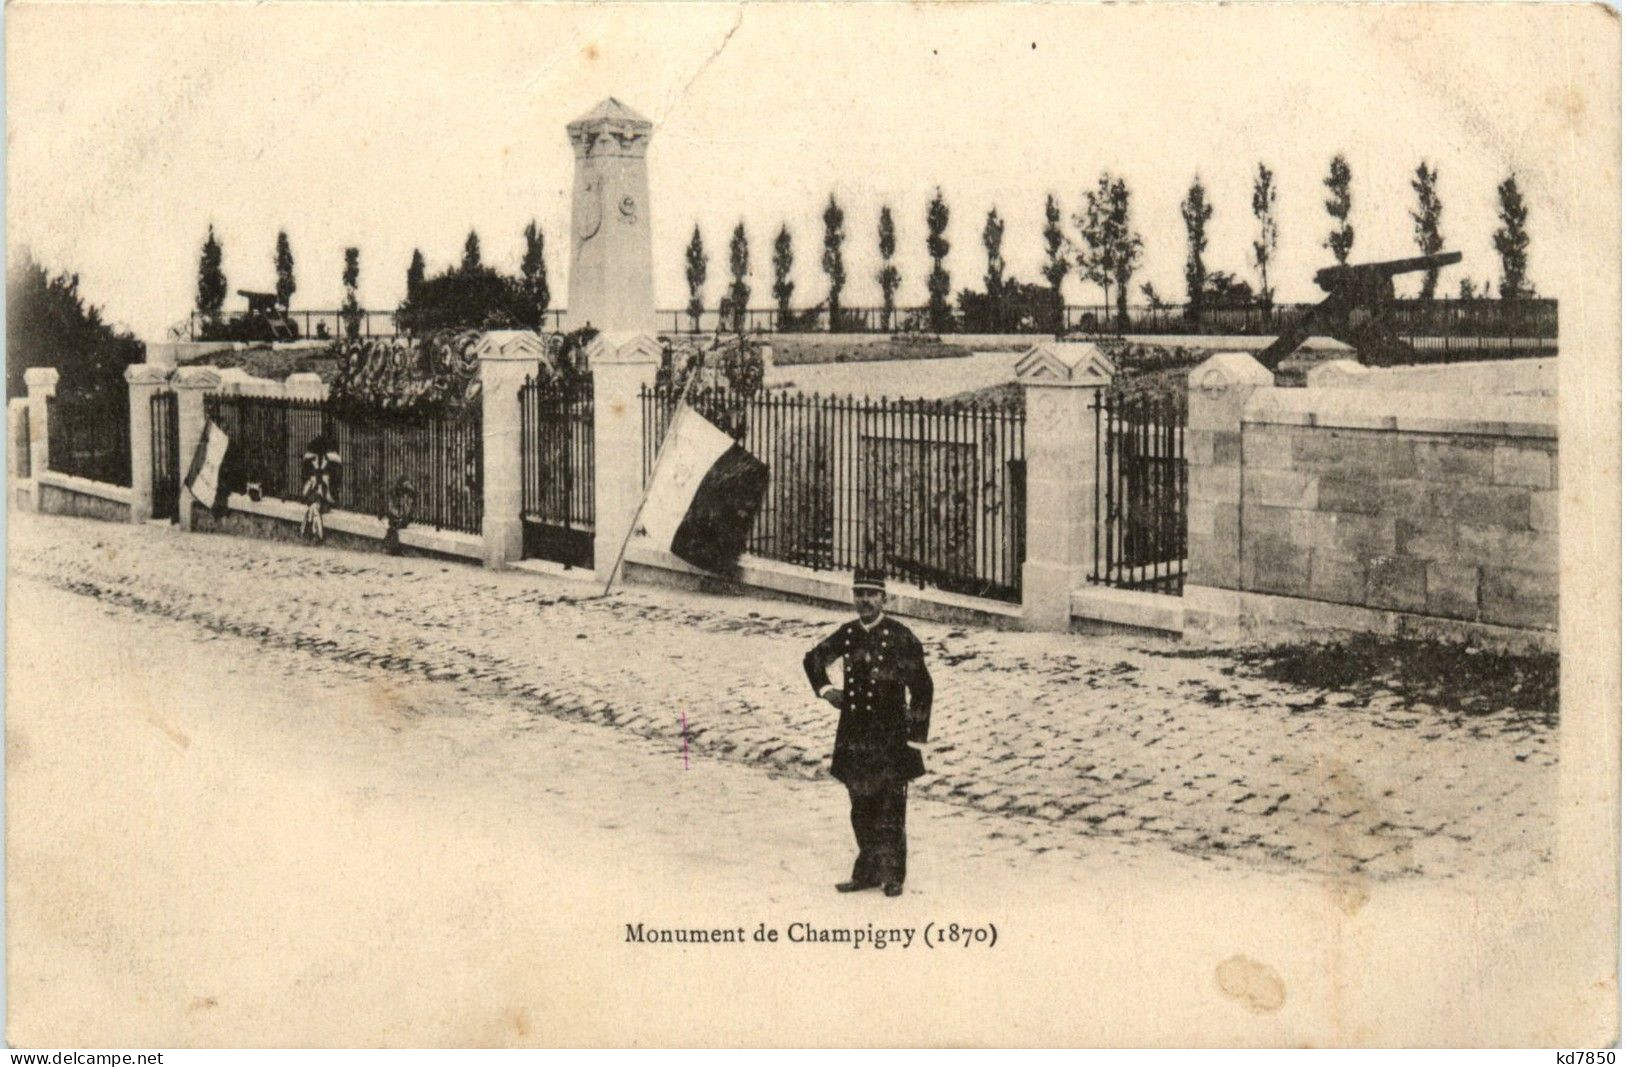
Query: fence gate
<point>556,470</point>
<point>166,459</point>
<point>1140,493</point>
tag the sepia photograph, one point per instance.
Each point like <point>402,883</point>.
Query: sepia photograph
<point>812,525</point>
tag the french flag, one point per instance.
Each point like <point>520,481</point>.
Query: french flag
<point>704,494</point>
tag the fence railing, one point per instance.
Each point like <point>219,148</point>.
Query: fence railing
<point>440,454</point>
<point>318,325</point>
<point>22,435</point>
<point>166,460</point>
<point>1442,326</point>
<point>556,470</point>
<point>1469,323</point>
<point>931,491</point>
<point>1140,493</point>
<point>89,436</point>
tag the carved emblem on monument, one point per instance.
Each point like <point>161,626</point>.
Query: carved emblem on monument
<point>589,208</point>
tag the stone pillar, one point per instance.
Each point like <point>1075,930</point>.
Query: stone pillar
<point>1060,381</point>
<point>611,250</point>
<point>506,358</point>
<point>190,385</point>
<point>41,382</point>
<point>145,381</point>
<point>1218,393</point>
<point>621,367</point>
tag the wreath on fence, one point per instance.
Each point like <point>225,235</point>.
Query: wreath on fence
<point>729,371</point>
<point>437,373</point>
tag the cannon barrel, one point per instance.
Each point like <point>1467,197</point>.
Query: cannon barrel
<point>1333,278</point>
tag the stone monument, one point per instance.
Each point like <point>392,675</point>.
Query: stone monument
<point>611,254</point>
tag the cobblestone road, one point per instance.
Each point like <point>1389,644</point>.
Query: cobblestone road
<point>1054,741</point>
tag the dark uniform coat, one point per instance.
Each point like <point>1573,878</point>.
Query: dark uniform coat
<point>888,700</point>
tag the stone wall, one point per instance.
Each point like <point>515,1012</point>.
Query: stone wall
<point>1374,510</point>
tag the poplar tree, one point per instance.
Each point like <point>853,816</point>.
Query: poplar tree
<point>1512,241</point>
<point>834,265</point>
<point>1196,211</point>
<point>739,267</point>
<point>696,264</point>
<point>783,260</point>
<point>1425,221</point>
<point>351,312</point>
<point>211,279</point>
<point>1264,246</point>
<point>937,285</point>
<point>285,285</point>
<point>888,277</point>
<point>1338,205</point>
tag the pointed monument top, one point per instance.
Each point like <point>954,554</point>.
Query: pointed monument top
<point>611,110</point>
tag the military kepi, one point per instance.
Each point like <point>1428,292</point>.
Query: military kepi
<point>869,578</point>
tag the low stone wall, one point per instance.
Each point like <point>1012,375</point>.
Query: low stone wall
<point>64,494</point>
<point>1371,510</point>
<point>1505,377</point>
<point>279,520</point>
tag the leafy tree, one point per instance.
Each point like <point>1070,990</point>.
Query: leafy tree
<point>1512,241</point>
<point>211,279</point>
<point>1264,246</point>
<point>1196,211</point>
<point>48,324</point>
<point>1464,289</point>
<point>1093,250</point>
<point>471,253</point>
<point>285,286</point>
<point>1155,299</point>
<point>937,284</point>
<point>351,311</point>
<point>1055,252</point>
<point>697,261</point>
<point>739,267</point>
<point>1341,238</point>
<point>783,259</point>
<point>888,277</point>
<point>1110,247</point>
<point>414,275</point>
<point>1425,221</point>
<point>993,241</point>
<point>533,278</point>
<point>834,265</point>
<point>1126,244</point>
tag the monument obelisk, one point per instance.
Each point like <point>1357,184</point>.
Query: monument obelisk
<point>611,253</point>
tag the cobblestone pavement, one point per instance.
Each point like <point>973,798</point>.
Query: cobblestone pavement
<point>1057,741</point>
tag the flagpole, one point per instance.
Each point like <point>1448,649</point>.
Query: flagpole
<point>665,439</point>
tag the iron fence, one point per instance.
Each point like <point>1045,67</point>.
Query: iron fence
<point>166,460</point>
<point>931,491</point>
<point>1140,493</point>
<point>440,454</point>
<point>88,435</point>
<point>22,438</point>
<point>556,470</point>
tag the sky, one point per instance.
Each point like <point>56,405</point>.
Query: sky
<point>131,129</point>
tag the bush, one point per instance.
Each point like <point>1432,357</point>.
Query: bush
<point>1017,307</point>
<point>467,299</point>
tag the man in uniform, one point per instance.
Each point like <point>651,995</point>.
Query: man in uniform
<point>873,755</point>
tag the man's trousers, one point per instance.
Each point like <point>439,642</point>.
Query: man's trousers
<point>878,812</point>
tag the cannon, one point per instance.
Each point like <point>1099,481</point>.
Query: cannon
<point>1358,311</point>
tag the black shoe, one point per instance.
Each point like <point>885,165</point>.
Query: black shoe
<point>853,887</point>
<point>892,889</point>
